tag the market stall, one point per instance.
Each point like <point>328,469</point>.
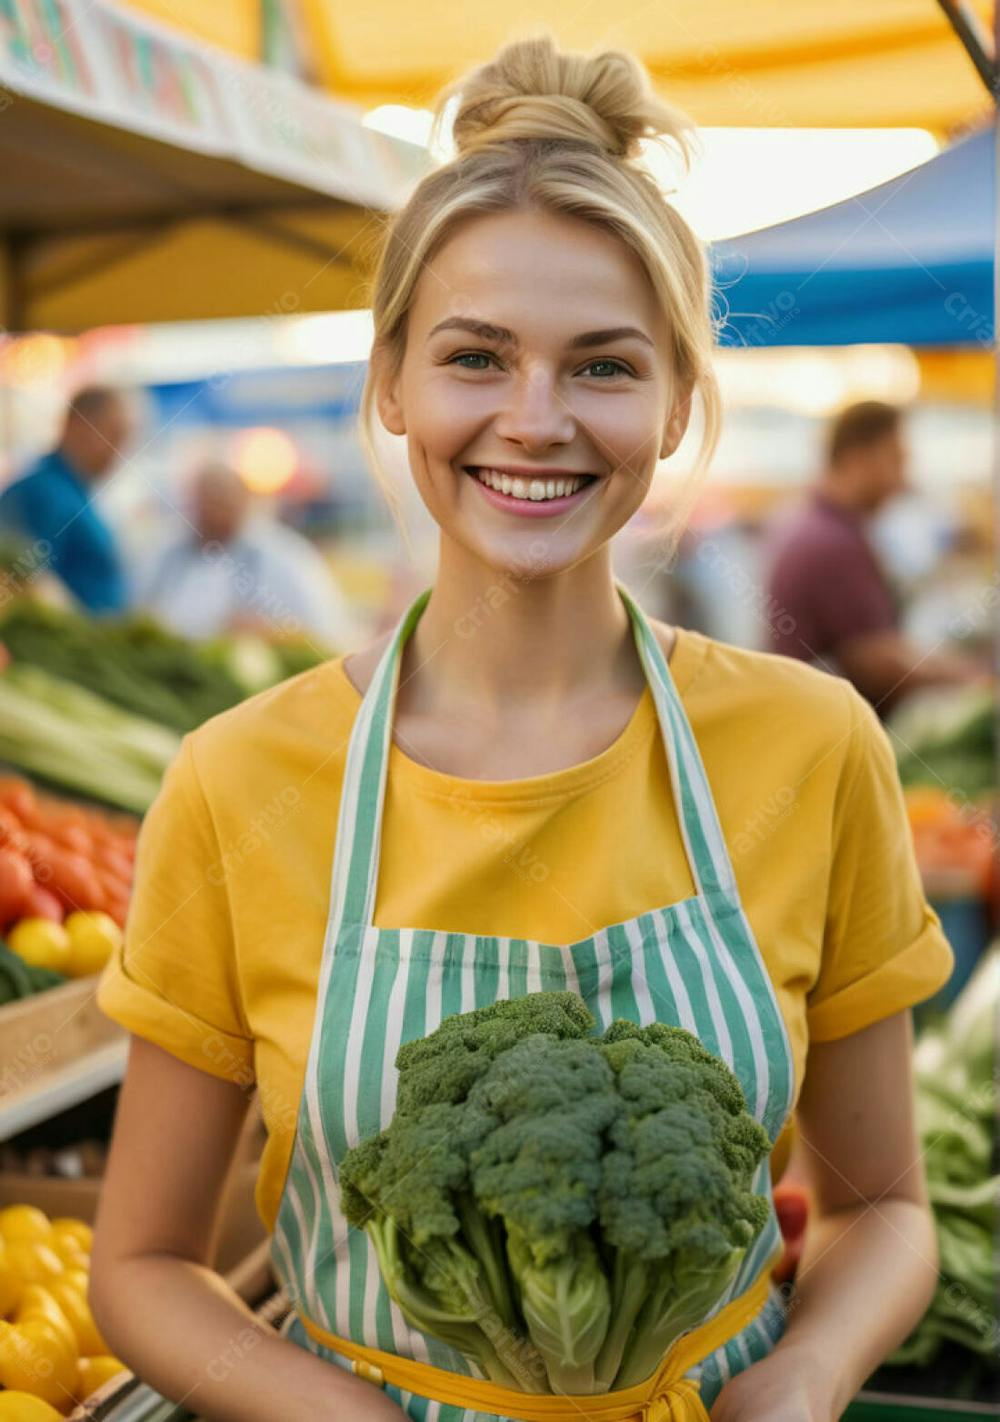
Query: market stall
<point>149,177</point>
<point>880,266</point>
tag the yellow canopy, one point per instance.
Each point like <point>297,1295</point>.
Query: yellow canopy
<point>738,62</point>
<point>150,177</point>
<point>153,174</point>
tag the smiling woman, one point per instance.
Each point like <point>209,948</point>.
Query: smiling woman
<point>529,786</point>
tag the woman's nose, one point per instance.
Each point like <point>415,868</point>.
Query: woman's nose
<point>535,412</point>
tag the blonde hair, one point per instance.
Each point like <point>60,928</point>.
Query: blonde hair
<point>541,128</point>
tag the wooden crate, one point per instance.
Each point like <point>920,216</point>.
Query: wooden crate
<point>49,1043</point>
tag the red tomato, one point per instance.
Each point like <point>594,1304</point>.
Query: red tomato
<point>110,862</point>
<point>59,813</point>
<point>118,910</point>
<point>38,850</point>
<point>18,796</point>
<point>74,881</point>
<point>16,884</point>
<point>113,887</point>
<point>42,904</point>
<point>10,825</point>
<point>74,837</point>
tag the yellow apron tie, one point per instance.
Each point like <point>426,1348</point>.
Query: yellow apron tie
<point>666,1396</point>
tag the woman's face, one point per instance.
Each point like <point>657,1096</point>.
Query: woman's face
<point>503,372</point>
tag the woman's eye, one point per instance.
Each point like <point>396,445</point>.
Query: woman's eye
<point>617,367</point>
<point>470,355</point>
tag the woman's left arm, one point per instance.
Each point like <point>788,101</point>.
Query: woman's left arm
<point>870,1264</point>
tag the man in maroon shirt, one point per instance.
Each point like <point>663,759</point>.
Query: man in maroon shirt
<point>828,600</point>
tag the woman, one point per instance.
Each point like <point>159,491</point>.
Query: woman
<point>525,784</point>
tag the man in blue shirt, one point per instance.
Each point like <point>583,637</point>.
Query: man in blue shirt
<point>53,503</point>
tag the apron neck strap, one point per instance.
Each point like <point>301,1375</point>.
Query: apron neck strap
<point>363,794</point>
<point>704,842</point>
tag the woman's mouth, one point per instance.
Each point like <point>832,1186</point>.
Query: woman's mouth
<point>529,495</point>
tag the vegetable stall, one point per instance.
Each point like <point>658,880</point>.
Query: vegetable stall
<point>91,714</point>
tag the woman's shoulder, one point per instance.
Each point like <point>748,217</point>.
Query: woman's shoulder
<point>744,686</point>
<point>304,717</point>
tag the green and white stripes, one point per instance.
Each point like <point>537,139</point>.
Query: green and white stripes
<point>694,963</point>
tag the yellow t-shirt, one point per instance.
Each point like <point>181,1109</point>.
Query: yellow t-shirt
<point>225,933</point>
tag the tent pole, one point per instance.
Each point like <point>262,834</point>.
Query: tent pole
<point>966,24</point>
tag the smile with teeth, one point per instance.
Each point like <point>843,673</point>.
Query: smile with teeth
<point>533,489</point>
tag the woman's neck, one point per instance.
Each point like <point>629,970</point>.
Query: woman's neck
<point>496,645</point>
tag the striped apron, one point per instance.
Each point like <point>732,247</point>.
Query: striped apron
<point>694,964</point>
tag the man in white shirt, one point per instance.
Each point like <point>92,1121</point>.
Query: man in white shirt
<point>232,570</point>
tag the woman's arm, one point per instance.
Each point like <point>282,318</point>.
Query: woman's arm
<point>163,1311</point>
<point>869,1265</point>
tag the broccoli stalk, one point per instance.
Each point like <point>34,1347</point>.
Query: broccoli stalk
<point>566,1304</point>
<point>672,1301</point>
<point>629,1287</point>
<point>440,1296</point>
<point>486,1240</point>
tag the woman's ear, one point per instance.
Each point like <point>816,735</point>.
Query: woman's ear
<point>387,393</point>
<point>677,422</point>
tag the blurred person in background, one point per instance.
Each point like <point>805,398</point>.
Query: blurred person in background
<point>828,598</point>
<point>235,569</point>
<point>52,503</point>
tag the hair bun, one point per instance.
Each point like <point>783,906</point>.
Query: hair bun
<point>534,90</point>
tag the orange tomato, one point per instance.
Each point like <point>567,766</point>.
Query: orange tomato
<point>113,885</point>
<point>17,795</point>
<point>74,881</point>
<point>74,837</point>
<point>39,850</point>
<point>16,884</point>
<point>111,861</point>
<point>42,904</point>
<point>117,910</point>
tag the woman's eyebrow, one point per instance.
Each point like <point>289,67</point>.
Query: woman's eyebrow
<point>504,336</point>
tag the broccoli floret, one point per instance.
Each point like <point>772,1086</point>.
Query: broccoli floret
<point>444,1065</point>
<point>677,1208</point>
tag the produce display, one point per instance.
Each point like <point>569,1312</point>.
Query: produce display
<point>52,1355</point>
<point>79,741</point>
<point>145,669</point>
<point>951,838</point>
<point>946,737</point>
<point>957,1098</point>
<point>592,1194</point>
<point>64,870</point>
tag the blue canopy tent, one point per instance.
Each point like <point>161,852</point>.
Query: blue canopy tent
<point>910,260</point>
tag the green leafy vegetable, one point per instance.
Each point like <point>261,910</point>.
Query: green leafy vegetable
<point>558,1206</point>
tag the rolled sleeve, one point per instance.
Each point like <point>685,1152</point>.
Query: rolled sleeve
<point>884,949</point>
<point>175,980</point>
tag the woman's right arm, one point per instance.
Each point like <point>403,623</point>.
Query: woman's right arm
<point>173,1320</point>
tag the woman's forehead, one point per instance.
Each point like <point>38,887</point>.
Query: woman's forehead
<point>514,270</point>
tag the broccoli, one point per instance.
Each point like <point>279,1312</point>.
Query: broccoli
<point>558,1206</point>
<point>442,1260</point>
<point>539,1172</point>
